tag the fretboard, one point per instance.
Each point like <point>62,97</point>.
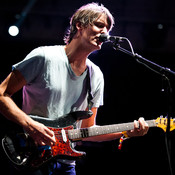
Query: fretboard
<point>78,134</point>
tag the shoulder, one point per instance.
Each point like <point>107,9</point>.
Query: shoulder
<point>43,51</point>
<point>54,53</point>
<point>46,54</point>
<point>51,49</point>
<point>94,69</point>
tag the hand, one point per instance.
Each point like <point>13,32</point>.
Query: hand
<point>140,130</point>
<point>40,133</point>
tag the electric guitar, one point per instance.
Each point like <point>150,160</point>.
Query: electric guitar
<point>24,154</point>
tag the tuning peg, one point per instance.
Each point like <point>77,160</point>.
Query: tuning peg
<point>161,116</point>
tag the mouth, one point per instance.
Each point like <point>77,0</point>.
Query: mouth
<point>98,41</point>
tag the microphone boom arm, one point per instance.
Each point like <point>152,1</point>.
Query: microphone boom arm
<point>161,70</point>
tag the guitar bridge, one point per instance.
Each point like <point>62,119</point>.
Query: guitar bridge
<point>63,133</point>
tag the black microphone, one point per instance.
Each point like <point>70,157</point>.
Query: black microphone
<point>107,38</point>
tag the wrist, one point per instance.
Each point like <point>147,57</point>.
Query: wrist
<point>125,134</point>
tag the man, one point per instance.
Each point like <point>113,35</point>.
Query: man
<point>54,82</point>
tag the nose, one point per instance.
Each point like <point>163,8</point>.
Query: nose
<point>104,30</point>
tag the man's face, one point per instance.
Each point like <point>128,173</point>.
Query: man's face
<point>90,35</point>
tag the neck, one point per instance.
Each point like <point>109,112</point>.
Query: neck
<point>77,56</point>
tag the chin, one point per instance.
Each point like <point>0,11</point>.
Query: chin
<point>96,46</point>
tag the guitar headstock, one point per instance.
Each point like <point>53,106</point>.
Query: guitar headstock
<point>162,123</point>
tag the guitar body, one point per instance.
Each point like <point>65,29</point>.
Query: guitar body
<point>25,155</point>
<point>62,149</point>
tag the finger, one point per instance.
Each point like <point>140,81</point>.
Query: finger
<point>49,132</point>
<point>46,141</point>
<point>144,126</point>
<point>136,126</point>
<point>42,143</point>
<point>142,123</point>
<point>39,143</point>
<point>50,135</point>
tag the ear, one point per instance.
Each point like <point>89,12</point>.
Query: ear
<point>79,26</point>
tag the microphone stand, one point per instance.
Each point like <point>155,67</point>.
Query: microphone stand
<point>164,72</point>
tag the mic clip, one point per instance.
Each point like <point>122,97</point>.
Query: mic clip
<point>107,38</point>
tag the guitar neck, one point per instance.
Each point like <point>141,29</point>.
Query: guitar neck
<point>78,134</point>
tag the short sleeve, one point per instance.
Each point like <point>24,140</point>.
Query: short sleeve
<point>98,93</point>
<point>97,84</point>
<point>32,65</point>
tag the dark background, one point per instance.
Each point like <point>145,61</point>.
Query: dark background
<point>131,90</point>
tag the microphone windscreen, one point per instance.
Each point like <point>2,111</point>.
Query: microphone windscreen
<point>103,37</point>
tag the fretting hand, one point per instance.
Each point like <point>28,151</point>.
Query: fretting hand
<point>140,130</point>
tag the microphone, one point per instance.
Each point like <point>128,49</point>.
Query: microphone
<point>107,38</point>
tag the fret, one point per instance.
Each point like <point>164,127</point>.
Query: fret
<point>74,134</point>
<point>84,132</point>
<point>78,134</point>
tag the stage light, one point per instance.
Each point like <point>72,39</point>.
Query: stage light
<point>13,30</point>
<point>160,26</point>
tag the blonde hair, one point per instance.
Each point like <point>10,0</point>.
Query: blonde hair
<point>86,15</point>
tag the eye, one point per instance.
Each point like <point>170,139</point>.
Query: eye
<point>99,24</point>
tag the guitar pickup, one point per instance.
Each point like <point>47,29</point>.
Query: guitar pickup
<point>63,133</point>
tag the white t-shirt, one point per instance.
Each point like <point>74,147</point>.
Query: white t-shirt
<point>52,88</point>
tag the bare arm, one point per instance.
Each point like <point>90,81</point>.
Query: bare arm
<point>91,122</point>
<point>143,129</point>
<point>13,83</point>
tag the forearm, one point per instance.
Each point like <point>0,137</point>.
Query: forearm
<point>102,138</point>
<point>12,112</point>
<point>13,83</point>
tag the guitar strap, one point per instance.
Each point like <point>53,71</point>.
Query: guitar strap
<point>90,96</point>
